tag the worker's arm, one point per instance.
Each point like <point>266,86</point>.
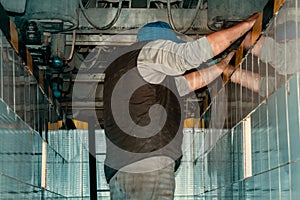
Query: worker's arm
<point>262,85</point>
<point>278,54</point>
<point>245,78</point>
<point>203,77</point>
<point>220,40</point>
<point>170,58</point>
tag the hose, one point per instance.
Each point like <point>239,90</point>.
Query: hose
<point>170,17</point>
<point>73,45</point>
<point>109,25</point>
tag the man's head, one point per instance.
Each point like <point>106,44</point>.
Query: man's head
<point>157,30</point>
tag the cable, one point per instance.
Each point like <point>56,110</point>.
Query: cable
<point>73,45</point>
<point>76,54</point>
<point>68,29</point>
<point>157,5</point>
<point>87,4</point>
<point>170,18</point>
<point>8,56</point>
<point>108,26</point>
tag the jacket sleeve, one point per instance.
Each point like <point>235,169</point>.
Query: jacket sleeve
<point>163,57</point>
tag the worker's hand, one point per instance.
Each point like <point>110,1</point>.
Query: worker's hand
<point>228,71</point>
<point>252,19</point>
<point>225,61</point>
<point>221,40</point>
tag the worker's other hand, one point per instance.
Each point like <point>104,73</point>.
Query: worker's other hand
<point>257,46</point>
<point>248,41</point>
